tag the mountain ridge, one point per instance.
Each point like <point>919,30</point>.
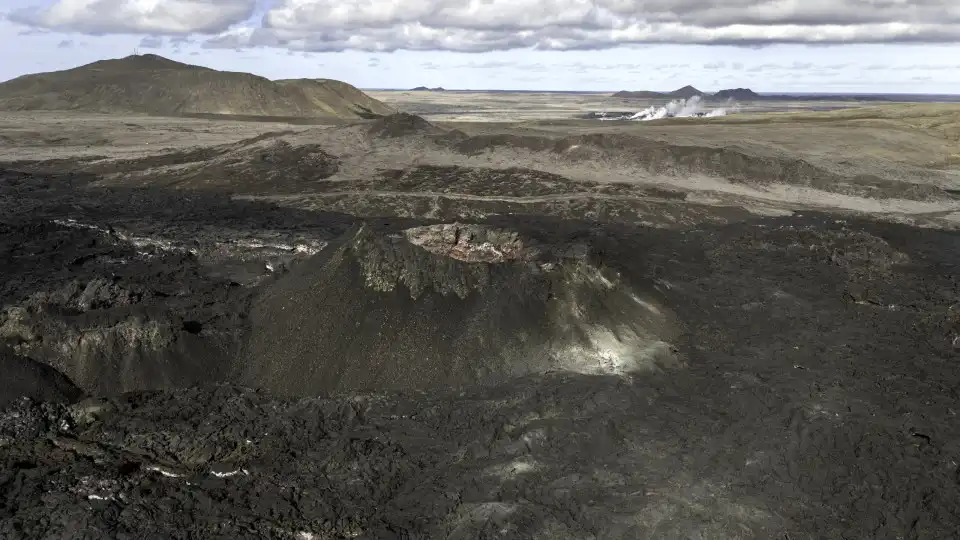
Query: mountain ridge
<point>152,84</point>
<point>744,94</point>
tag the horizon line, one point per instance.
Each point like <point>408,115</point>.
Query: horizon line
<point>764,93</point>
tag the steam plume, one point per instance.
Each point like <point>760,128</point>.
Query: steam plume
<point>678,108</point>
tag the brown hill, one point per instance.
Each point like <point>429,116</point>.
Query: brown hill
<point>152,84</point>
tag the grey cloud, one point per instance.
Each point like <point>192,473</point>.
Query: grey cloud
<point>807,68</point>
<point>715,65</point>
<point>924,67</point>
<point>763,67</point>
<point>169,17</point>
<point>576,25</point>
<point>151,42</point>
<point>487,65</point>
<point>528,68</point>
<point>374,40</point>
<point>65,44</point>
<point>487,25</point>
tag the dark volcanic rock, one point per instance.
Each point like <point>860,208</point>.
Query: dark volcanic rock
<point>793,395</point>
<point>817,396</point>
<point>449,305</point>
<point>402,125</point>
<point>160,301</point>
<point>111,316</point>
<point>267,166</point>
<point>25,377</point>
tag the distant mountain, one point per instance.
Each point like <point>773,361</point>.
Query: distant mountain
<point>151,84</point>
<point>686,92</point>
<point>425,89</point>
<point>746,94</point>
<point>737,94</point>
<point>642,94</point>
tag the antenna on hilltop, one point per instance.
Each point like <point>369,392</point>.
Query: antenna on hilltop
<point>136,51</point>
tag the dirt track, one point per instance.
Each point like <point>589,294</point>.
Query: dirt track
<point>748,367</point>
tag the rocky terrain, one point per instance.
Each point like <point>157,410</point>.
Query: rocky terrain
<point>402,329</point>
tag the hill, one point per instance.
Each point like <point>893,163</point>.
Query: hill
<point>686,92</point>
<point>746,94</point>
<point>739,94</point>
<point>450,305</point>
<point>151,84</point>
<point>644,94</point>
<point>427,89</point>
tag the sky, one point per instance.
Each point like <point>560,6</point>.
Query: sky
<point>881,46</point>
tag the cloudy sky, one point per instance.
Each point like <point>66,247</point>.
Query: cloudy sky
<point>767,45</point>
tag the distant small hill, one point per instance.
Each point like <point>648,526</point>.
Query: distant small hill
<point>642,94</point>
<point>738,94</point>
<point>746,94</point>
<point>686,92</point>
<point>151,84</point>
<point>425,89</point>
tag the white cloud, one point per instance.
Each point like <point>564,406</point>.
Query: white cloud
<point>484,25</point>
<point>137,16</point>
<point>487,25</point>
<point>497,41</point>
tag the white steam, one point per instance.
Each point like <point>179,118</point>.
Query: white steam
<point>678,108</point>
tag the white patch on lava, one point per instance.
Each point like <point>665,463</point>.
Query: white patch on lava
<point>229,247</point>
<point>513,469</point>
<point>164,472</point>
<point>468,243</point>
<point>228,474</point>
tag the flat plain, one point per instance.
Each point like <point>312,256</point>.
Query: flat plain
<point>492,318</point>
<point>478,106</point>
